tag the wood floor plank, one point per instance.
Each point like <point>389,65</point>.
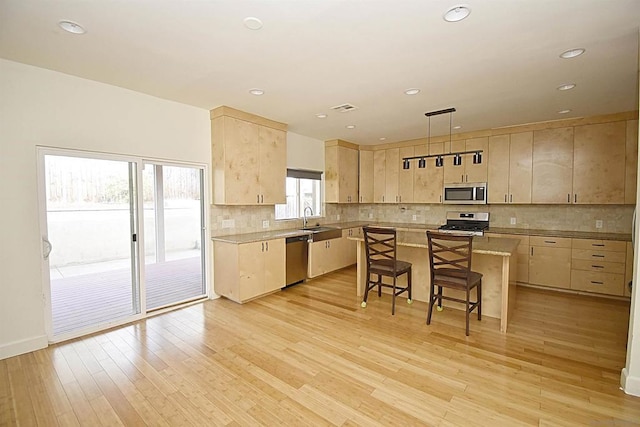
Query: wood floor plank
<point>311,356</point>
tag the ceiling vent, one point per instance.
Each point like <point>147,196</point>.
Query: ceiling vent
<point>344,108</point>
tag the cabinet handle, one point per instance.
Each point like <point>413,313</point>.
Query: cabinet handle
<point>400,199</point>
<point>266,245</point>
<point>568,198</point>
<point>550,241</point>
<point>262,246</point>
<point>597,266</point>
<point>382,199</point>
<point>510,198</point>
<point>597,244</point>
<point>531,250</point>
<point>575,198</point>
<point>462,178</point>
<point>360,199</point>
<point>597,256</point>
<point>257,198</point>
<point>505,198</point>
<point>262,198</point>
<point>441,198</point>
<point>466,178</point>
<point>597,283</point>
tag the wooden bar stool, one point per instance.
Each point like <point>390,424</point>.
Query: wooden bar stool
<point>450,262</point>
<point>381,248</point>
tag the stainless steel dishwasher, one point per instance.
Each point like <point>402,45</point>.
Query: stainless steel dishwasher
<point>297,250</point>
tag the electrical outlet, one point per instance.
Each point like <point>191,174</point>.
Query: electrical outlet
<point>414,217</point>
<point>598,223</point>
<point>513,221</point>
<point>228,223</point>
<point>338,217</point>
<point>370,216</point>
<point>265,223</point>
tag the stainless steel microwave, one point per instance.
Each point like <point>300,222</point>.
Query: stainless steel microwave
<point>468,193</point>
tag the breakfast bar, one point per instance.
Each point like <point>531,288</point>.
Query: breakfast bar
<point>494,257</point>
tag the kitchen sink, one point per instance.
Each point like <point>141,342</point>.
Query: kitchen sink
<point>321,233</point>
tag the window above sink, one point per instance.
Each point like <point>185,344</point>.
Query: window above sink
<point>303,190</point>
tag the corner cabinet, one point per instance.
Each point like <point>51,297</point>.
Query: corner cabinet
<point>249,158</point>
<point>246,271</point>
<point>341,172</point>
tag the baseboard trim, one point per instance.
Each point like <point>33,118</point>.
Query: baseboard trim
<point>630,385</point>
<point>17,348</point>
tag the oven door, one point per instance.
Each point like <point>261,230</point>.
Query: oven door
<point>466,194</point>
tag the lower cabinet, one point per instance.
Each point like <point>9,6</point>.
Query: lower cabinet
<point>245,271</point>
<point>598,266</point>
<point>333,254</point>
<point>550,261</point>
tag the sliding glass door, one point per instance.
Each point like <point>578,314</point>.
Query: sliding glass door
<point>121,237</point>
<point>90,242</point>
<point>174,233</point>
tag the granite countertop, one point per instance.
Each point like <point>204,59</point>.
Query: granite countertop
<point>481,244</point>
<point>412,227</point>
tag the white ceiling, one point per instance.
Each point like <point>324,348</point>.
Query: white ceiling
<point>498,67</point>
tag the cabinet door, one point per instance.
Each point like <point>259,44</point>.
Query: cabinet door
<point>274,265</point>
<point>366,177</point>
<point>379,171</point>
<point>452,173</point>
<point>251,266</point>
<point>475,172</point>
<point>550,262</point>
<point>552,166</point>
<point>241,159</point>
<point>349,247</point>
<point>273,165</point>
<point>318,258</point>
<point>631,169</point>
<point>428,181</point>
<point>599,163</point>
<point>392,166</point>
<point>520,167</point>
<point>498,163</point>
<point>405,176</point>
<point>348,174</point>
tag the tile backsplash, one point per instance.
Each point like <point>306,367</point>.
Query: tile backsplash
<point>249,219</point>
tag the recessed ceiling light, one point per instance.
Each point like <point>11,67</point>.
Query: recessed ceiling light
<point>72,27</point>
<point>256,92</point>
<point>457,13</point>
<point>350,126</point>
<point>567,86</point>
<point>564,111</point>
<point>412,91</point>
<point>252,23</point>
<point>572,53</point>
<point>383,138</point>
<point>457,127</point>
<point>321,116</point>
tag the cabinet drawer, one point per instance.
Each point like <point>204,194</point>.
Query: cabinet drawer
<point>587,254</point>
<point>603,283</point>
<point>552,242</point>
<point>597,266</point>
<point>599,245</point>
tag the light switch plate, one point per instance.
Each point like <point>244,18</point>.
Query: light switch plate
<point>370,215</point>
<point>338,217</point>
<point>414,217</point>
<point>513,221</point>
<point>228,223</point>
<point>265,223</point>
<point>598,223</point>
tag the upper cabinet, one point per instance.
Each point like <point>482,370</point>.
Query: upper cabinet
<point>599,163</point>
<point>365,178</point>
<point>341,172</point>
<point>631,167</point>
<point>552,166</point>
<point>467,171</point>
<point>428,182</point>
<point>249,158</point>
<point>510,168</point>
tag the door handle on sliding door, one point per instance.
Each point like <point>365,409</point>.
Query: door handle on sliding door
<point>47,247</point>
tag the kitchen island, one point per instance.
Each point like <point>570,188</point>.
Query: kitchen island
<point>494,257</point>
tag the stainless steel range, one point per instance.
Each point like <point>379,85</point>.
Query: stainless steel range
<point>466,223</point>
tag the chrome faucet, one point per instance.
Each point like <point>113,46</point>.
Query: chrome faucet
<point>304,216</point>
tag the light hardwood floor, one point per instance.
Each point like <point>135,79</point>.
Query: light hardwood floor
<point>311,356</point>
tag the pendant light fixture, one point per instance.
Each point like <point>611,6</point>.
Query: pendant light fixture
<point>457,156</point>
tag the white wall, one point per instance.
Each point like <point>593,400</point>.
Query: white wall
<point>42,107</point>
<point>304,152</point>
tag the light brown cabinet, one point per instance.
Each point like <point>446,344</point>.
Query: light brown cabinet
<point>631,167</point>
<point>428,181</point>
<point>467,171</point>
<point>379,176</point>
<point>391,174</point>
<point>365,178</point>
<point>341,172</point>
<point>628,270</point>
<point>552,175</point>
<point>599,163</point>
<point>246,271</point>
<point>406,176</point>
<point>248,158</point>
<point>550,261</point>
<point>598,266</point>
<point>333,254</point>
<point>510,167</point>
